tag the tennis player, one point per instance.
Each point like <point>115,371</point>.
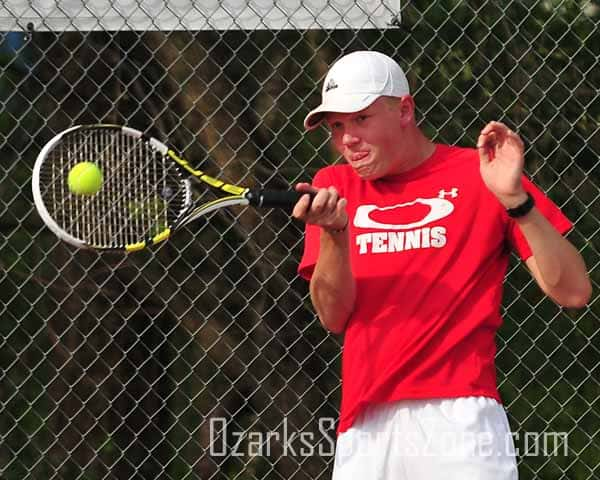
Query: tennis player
<point>407,244</point>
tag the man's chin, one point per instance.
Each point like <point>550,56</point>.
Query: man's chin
<point>367,175</point>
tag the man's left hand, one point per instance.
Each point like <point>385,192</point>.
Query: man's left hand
<point>501,155</point>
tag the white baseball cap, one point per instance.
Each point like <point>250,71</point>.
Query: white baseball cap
<point>355,81</point>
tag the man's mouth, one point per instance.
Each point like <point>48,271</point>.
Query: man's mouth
<point>358,156</point>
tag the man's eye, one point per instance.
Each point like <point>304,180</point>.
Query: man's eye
<point>361,118</point>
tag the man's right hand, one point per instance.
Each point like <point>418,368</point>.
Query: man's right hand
<point>322,207</point>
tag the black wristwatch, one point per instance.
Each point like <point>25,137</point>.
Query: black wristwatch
<point>523,209</point>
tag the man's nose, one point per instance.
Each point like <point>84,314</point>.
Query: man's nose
<point>349,139</point>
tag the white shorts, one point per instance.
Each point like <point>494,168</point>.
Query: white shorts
<point>449,439</point>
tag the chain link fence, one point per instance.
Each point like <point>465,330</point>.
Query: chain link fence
<point>203,358</point>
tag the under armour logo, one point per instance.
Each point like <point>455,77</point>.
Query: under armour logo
<point>452,193</point>
<point>330,85</point>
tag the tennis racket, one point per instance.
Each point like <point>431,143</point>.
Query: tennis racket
<point>146,193</point>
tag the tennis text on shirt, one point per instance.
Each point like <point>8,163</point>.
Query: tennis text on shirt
<point>399,237</point>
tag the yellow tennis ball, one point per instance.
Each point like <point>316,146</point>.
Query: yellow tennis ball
<point>85,178</point>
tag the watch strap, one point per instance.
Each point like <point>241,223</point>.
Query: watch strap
<point>523,209</point>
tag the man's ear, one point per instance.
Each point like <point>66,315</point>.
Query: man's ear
<point>407,110</point>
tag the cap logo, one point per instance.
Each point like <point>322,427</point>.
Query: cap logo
<point>330,85</point>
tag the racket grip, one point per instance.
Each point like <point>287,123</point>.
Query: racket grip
<point>273,198</point>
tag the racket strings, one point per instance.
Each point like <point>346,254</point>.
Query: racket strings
<point>142,194</point>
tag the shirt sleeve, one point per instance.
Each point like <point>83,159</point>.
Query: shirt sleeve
<point>312,233</point>
<point>548,209</point>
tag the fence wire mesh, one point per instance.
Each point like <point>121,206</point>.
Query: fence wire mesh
<point>203,358</point>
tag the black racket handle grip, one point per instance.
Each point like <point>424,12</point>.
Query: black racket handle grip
<point>273,198</point>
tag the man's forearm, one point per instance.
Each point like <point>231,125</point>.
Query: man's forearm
<point>332,286</point>
<point>558,267</point>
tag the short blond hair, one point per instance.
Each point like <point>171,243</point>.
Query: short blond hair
<point>391,102</point>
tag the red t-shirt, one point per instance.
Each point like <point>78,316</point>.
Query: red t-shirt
<point>429,251</point>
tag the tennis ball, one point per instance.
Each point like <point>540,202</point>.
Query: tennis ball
<point>85,178</point>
